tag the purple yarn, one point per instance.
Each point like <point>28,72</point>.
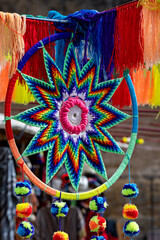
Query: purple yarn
<point>108,28</point>
<point>97,29</point>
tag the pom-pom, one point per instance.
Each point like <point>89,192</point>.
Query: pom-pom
<point>130,190</point>
<point>59,209</point>
<point>131,229</point>
<point>25,229</point>
<point>97,224</point>
<point>98,238</point>
<point>98,204</point>
<point>130,211</point>
<point>23,210</point>
<point>23,188</point>
<point>60,236</point>
<point>125,140</point>
<point>140,141</point>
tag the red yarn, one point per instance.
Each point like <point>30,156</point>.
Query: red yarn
<point>130,214</point>
<point>128,38</point>
<point>37,30</point>
<point>121,97</point>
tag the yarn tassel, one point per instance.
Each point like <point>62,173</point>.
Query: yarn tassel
<point>142,80</point>
<point>121,97</point>
<point>151,32</point>
<point>128,38</point>
<point>12,29</point>
<point>108,27</point>
<point>36,31</point>
<point>155,97</point>
<point>22,94</point>
<point>4,80</point>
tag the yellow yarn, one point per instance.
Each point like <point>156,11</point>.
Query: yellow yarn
<point>22,94</point>
<point>155,98</point>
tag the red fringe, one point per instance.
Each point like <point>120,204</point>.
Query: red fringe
<point>128,38</point>
<point>36,31</point>
<point>121,97</point>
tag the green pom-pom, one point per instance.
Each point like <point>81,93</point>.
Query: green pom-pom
<point>131,229</point>
<point>59,209</point>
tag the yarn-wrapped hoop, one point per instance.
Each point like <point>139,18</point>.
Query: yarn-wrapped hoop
<point>17,155</point>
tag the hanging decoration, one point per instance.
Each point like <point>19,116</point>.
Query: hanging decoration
<point>24,210</point>
<point>71,114</point>
<point>74,110</point>
<point>96,97</point>
<point>130,211</point>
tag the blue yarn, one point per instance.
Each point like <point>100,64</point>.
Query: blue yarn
<point>129,233</point>
<point>23,231</point>
<point>133,187</point>
<point>100,202</point>
<point>55,209</point>
<point>25,184</point>
<point>98,238</point>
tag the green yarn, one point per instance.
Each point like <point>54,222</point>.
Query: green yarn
<point>132,227</point>
<point>60,205</point>
<point>21,190</point>
<point>127,192</point>
<point>93,206</point>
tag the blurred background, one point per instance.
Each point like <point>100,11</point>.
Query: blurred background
<point>145,162</point>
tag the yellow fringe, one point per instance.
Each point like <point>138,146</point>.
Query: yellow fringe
<point>150,4</point>
<point>22,94</point>
<point>155,97</point>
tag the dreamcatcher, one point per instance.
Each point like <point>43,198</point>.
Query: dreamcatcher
<point>74,115</point>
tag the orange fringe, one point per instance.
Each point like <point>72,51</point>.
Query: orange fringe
<point>12,29</point>
<point>142,81</point>
<point>151,33</point>
<point>4,79</point>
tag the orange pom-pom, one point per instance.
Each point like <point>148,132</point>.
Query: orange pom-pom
<point>97,224</point>
<point>60,236</point>
<point>130,211</point>
<point>23,210</point>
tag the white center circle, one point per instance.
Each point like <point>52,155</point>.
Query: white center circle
<point>74,115</point>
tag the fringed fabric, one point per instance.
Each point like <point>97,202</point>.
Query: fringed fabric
<point>151,33</point>
<point>142,81</point>
<point>150,4</point>
<point>121,97</point>
<point>12,29</point>
<point>128,38</point>
<point>4,79</point>
<point>108,28</point>
<point>35,31</point>
<point>155,96</point>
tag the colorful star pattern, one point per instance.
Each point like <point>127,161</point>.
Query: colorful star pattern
<point>85,107</point>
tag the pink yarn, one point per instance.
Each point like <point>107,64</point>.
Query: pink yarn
<point>68,126</point>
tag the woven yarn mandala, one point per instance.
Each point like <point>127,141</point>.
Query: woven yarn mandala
<point>73,115</point>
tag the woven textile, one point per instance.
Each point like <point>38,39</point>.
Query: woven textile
<point>73,116</point>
